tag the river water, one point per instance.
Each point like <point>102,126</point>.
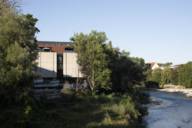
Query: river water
<point>169,110</point>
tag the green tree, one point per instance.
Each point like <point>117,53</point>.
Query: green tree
<point>17,50</point>
<point>174,76</point>
<point>166,76</point>
<point>126,71</point>
<point>185,74</point>
<point>92,58</point>
<point>156,75</point>
<point>104,65</point>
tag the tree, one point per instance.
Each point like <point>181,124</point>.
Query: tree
<point>104,65</point>
<point>185,74</point>
<point>156,75</point>
<point>17,50</point>
<point>174,76</point>
<point>92,58</point>
<point>126,71</point>
<point>166,76</point>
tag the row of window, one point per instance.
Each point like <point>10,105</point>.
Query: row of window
<point>46,49</point>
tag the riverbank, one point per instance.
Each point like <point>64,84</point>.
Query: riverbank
<point>177,89</point>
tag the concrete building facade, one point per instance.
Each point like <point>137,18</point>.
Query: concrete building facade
<point>57,60</point>
<point>71,68</point>
<point>47,64</point>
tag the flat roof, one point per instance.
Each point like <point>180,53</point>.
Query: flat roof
<point>53,42</point>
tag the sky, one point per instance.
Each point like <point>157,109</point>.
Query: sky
<point>156,30</point>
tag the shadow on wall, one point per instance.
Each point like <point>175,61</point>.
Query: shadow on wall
<point>48,75</point>
<point>50,79</point>
<point>45,73</point>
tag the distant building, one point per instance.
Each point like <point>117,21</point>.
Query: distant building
<point>155,65</point>
<point>57,60</point>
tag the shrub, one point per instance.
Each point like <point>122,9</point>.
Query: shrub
<point>151,84</point>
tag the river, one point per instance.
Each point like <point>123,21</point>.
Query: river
<point>169,110</point>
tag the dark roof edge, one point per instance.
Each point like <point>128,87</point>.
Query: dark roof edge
<point>54,42</point>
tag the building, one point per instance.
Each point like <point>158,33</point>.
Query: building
<point>57,60</point>
<point>154,65</point>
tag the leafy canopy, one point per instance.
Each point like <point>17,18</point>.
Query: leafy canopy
<point>92,58</point>
<point>17,48</point>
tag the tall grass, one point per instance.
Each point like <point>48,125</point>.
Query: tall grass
<point>84,111</point>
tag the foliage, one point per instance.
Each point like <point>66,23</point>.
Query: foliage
<point>174,76</point>
<point>17,53</point>
<point>182,75</point>
<point>97,111</point>
<point>156,76</point>
<point>92,58</point>
<point>152,84</point>
<point>185,75</point>
<point>126,70</point>
<point>160,76</point>
<point>166,76</point>
<point>17,50</point>
<point>104,65</point>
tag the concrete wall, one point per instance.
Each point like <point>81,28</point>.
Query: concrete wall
<point>47,64</point>
<point>155,66</point>
<point>71,68</point>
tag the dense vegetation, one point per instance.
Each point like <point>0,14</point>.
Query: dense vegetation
<point>105,68</point>
<point>92,58</point>
<point>181,75</point>
<point>17,53</point>
<point>85,111</point>
<point>109,70</point>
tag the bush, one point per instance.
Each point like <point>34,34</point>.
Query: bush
<point>151,84</point>
<point>126,108</point>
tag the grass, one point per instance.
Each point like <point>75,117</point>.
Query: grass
<point>98,111</point>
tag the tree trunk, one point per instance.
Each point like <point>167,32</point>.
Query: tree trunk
<point>90,84</point>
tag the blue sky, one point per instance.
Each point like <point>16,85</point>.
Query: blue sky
<point>157,30</point>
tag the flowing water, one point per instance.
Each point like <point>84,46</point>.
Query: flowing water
<point>169,110</point>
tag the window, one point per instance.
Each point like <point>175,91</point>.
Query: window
<point>69,49</point>
<point>46,49</point>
